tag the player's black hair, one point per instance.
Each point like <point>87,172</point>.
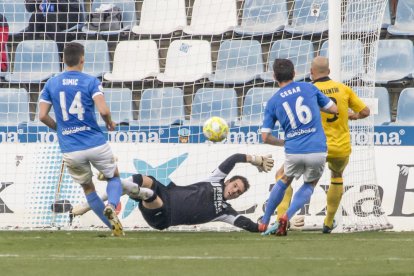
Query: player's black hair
<point>283,69</point>
<point>72,53</point>
<point>243,179</point>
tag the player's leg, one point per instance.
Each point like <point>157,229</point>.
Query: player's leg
<point>103,160</point>
<point>335,190</point>
<point>80,170</point>
<point>314,166</point>
<point>284,204</point>
<point>278,191</point>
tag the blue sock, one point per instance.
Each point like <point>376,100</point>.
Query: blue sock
<point>276,196</point>
<point>114,190</point>
<point>301,197</point>
<point>97,206</point>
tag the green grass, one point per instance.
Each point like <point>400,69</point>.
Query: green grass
<point>205,253</point>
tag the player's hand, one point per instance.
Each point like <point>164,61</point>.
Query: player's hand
<point>111,126</point>
<point>353,116</point>
<point>263,163</point>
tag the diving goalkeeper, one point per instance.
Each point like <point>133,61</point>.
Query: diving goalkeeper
<point>201,202</point>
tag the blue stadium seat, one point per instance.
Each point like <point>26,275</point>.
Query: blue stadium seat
<point>209,102</point>
<point>254,105</point>
<point>96,57</point>
<point>405,114</point>
<point>14,106</point>
<point>384,113</point>
<point>16,15</point>
<point>34,61</point>
<point>359,16</point>
<point>300,52</point>
<point>238,62</point>
<point>119,101</point>
<point>128,15</point>
<point>404,20</point>
<point>395,60</point>
<point>161,106</point>
<point>261,17</point>
<point>352,60</point>
<point>309,17</point>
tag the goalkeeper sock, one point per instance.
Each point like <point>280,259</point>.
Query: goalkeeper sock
<point>97,205</point>
<point>333,199</point>
<point>276,196</point>
<point>284,205</point>
<point>301,197</point>
<point>114,191</point>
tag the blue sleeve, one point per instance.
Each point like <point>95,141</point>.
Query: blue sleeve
<point>322,99</point>
<point>269,118</point>
<point>45,94</point>
<point>96,87</point>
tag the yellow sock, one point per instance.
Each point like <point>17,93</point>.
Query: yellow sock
<point>284,205</point>
<point>333,199</point>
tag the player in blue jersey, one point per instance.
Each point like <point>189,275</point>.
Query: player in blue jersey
<point>74,96</point>
<point>297,107</point>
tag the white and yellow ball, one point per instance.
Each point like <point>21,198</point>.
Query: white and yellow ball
<point>215,129</point>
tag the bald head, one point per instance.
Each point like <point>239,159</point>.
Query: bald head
<point>320,67</point>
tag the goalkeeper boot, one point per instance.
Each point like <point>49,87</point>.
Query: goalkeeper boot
<point>283,224</point>
<point>110,213</point>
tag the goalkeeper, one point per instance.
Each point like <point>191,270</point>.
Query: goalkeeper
<point>201,202</point>
<point>337,136</point>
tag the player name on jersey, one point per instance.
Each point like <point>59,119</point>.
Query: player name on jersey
<point>288,92</point>
<point>70,81</point>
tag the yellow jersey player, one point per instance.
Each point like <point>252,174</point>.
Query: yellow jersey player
<point>337,135</point>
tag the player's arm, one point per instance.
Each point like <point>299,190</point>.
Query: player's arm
<point>103,109</point>
<point>359,109</point>
<point>269,122</point>
<point>44,108</point>
<point>232,217</point>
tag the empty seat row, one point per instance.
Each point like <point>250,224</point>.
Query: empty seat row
<point>214,17</point>
<point>165,106</point>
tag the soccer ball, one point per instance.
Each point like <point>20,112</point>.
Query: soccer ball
<point>215,129</point>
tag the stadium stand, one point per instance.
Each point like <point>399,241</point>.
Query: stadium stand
<point>405,114</point>
<point>161,106</point>
<point>14,106</point>
<point>187,61</point>
<point>300,52</point>
<point>157,17</point>
<point>254,105</point>
<point>212,17</point>
<point>97,61</point>
<point>34,61</point>
<point>120,103</point>
<point>309,17</point>
<point>262,17</point>
<point>238,62</point>
<point>128,16</point>
<point>383,117</point>
<point>210,102</point>
<point>352,58</point>
<point>404,20</point>
<point>134,60</point>
<point>16,15</point>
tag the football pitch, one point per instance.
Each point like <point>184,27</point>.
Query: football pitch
<point>205,253</point>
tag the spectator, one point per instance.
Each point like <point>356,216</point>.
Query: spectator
<point>52,18</point>
<point>4,37</point>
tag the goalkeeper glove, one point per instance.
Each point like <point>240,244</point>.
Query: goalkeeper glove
<point>263,163</point>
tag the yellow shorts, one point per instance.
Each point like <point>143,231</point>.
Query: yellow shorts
<point>337,164</point>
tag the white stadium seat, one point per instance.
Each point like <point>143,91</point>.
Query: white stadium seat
<point>161,17</point>
<point>212,17</point>
<point>187,61</point>
<point>134,60</point>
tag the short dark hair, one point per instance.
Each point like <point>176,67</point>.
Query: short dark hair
<point>243,179</point>
<point>283,69</point>
<point>72,53</point>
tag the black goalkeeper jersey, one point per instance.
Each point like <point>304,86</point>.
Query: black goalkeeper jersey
<point>203,201</point>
